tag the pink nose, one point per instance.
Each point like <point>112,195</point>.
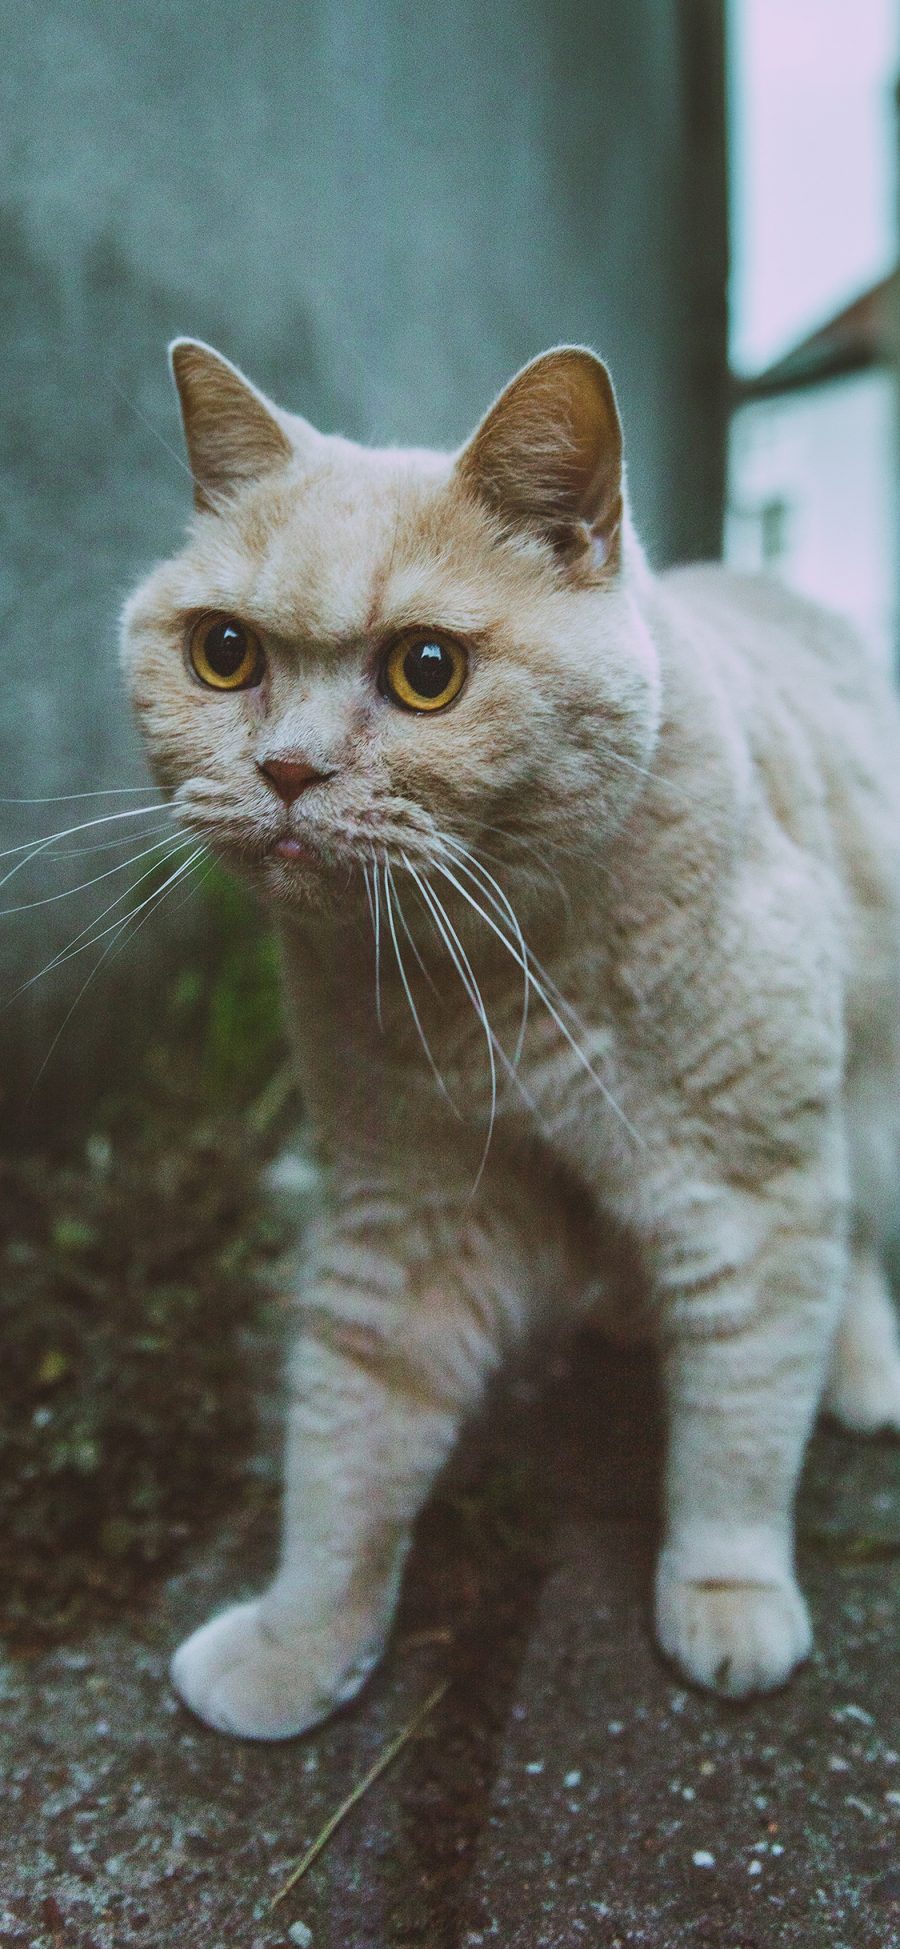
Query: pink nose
<point>291,776</point>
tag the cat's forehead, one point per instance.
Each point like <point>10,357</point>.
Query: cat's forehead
<point>360,540</point>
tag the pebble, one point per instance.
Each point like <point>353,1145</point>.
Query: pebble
<point>74,1661</point>
<point>702,1858</point>
<point>573,1779</point>
<point>535,1766</point>
<point>754,1868</point>
<point>291,1176</point>
<point>299,1933</point>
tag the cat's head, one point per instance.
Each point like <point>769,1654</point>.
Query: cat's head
<point>366,654</point>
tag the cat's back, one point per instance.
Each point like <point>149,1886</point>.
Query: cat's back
<point>802,685</point>
<point>817,714</point>
<point>787,646</point>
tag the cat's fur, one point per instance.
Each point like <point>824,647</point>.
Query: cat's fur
<point>685,792</point>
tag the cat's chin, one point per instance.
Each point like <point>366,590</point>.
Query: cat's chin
<point>295,875</point>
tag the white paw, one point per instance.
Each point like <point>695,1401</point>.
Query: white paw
<point>733,1638</point>
<point>237,1675</point>
<point>866,1401</point>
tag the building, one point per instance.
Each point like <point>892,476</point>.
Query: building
<point>813,467</point>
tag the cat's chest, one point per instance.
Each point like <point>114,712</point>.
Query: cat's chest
<point>450,1062</point>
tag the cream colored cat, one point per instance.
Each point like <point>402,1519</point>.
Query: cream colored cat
<point>588,891</point>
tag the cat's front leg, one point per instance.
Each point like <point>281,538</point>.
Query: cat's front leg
<point>745,1356</point>
<point>392,1356</point>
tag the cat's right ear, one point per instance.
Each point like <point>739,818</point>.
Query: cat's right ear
<point>233,432</point>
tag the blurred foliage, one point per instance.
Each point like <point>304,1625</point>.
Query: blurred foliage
<point>222,1022</point>
<point>129,1277</point>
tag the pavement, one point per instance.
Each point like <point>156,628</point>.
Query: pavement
<point>566,1791</point>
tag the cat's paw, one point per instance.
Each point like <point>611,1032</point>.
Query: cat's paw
<point>865,1400</point>
<point>240,1677</point>
<point>863,1389</point>
<point>733,1638</point>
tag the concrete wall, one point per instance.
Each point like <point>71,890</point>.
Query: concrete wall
<point>380,208</point>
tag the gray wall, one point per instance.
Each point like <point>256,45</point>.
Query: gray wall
<point>380,209</point>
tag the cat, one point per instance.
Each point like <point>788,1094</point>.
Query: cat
<point>587,885</point>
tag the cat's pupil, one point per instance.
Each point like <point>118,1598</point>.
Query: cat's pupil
<point>428,669</point>
<point>226,648</point>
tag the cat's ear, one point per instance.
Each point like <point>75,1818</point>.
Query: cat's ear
<point>233,433</point>
<point>548,456</point>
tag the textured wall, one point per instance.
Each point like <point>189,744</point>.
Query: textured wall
<point>380,209</point>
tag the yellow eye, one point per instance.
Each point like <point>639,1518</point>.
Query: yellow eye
<point>225,654</point>
<point>424,671</point>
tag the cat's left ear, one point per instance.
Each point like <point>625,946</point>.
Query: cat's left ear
<point>547,458</point>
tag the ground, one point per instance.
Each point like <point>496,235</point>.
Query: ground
<point>567,1789</point>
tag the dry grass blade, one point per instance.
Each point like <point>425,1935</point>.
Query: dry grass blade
<point>384,1760</point>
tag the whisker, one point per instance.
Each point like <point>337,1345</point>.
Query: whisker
<point>107,818</point>
<point>440,918</point>
<point>646,771</point>
<point>80,852</point>
<point>79,944</point>
<point>218,502</point>
<point>110,845</point>
<point>543,996</point>
<point>545,870</point>
<point>589,855</point>
<point>390,897</point>
<point>376,925</point>
<point>369,896</point>
<point>139,414</point>
<point>104,792</point>
<point>430,900</point>
<point>409,935</point>
<point>464,855</point>
<point>461,962</point>
<point>68,893</point>
<point>154,900</point>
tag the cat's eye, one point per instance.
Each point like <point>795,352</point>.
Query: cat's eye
<point>424,670</point>
<point>225,654</point>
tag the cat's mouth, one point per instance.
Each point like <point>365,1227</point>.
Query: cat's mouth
<point>302,853</point>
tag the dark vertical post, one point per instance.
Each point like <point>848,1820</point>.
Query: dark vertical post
<point>701,25</point>
<point>895,357</point>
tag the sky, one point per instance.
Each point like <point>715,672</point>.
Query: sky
<point>813,163</point>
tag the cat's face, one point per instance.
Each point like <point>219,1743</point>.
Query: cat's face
<point>361,654</point>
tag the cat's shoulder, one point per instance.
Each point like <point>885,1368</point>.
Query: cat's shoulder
<point>715,590</point>
<point>759,621</point>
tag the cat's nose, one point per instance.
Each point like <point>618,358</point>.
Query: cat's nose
<point>291,776</point>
